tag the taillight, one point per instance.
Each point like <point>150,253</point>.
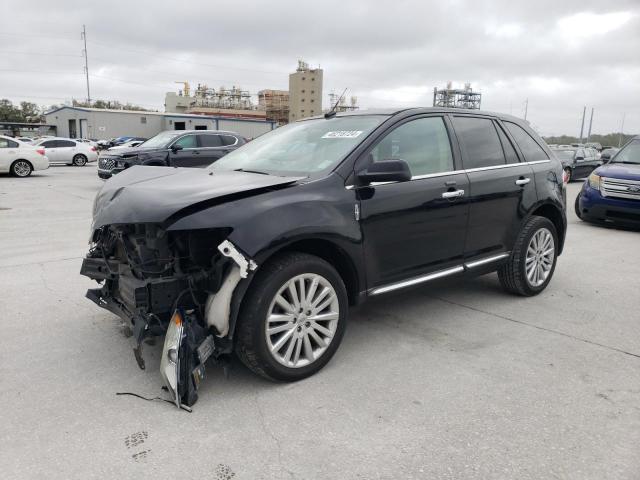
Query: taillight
<point>40,151</point>
<point>565,176</point>
<point>93,149</point>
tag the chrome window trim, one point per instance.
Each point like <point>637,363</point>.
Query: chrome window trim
<point>457,172</point>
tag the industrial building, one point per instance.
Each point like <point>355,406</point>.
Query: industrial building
<point>457,98</point>
<point>275,104</point>
<point>81,122</point>
<point>305,92</point>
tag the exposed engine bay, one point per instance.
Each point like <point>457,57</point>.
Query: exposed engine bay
<point>180,283</point>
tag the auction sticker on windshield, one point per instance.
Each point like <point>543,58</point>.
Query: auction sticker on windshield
<point>343,134</point>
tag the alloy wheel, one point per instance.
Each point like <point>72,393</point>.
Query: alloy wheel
<point>302,320</point>
<point>22,168</point>
<point>540,257</point>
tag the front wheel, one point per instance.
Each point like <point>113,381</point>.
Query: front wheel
<point>293,317</point>
<point>79,160</point>
<point>533,259</point>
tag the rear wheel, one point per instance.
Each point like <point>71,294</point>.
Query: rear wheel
<point>293,318</point>
<point>79,160</point>
<point>21,168</point>
<point>568,174</point>
<point>533,259</point>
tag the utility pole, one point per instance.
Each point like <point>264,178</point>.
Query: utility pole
<point>621,130</point>
<point>526,108</point>
<point>584,112</point>
<point>590,123</point>
<point>86,62</point>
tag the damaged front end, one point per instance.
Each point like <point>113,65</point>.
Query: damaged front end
<point>180,283</point>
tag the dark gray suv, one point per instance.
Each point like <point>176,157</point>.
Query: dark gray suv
<point>173,148</point>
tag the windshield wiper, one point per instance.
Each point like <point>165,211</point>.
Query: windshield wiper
<point>250,171</point>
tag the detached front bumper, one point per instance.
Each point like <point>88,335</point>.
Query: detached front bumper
<point>596,208</point>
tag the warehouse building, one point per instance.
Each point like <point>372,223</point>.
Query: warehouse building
<point>102,124</point>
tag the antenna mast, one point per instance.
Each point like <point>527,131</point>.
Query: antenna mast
<point>83,35</point>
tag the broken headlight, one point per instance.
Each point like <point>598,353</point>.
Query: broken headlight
<point>170,362</point>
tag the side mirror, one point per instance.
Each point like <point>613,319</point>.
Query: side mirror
<point>176,148</point>
<point>385,171</point>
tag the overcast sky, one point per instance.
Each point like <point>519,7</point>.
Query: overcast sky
<point>561,55</point>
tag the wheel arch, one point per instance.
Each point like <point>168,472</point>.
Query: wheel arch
<point>21,160</point>
<point>554,215</point>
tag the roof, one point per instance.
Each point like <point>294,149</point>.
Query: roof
<point>395,111</point>
<point>163,114</point>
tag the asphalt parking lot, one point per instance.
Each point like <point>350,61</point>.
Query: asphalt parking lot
<point>451,381</point>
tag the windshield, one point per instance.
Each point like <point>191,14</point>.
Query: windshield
<point>161,140</point>
<point>568,154</point>
<point>629,154</point>
<point>302,148</point>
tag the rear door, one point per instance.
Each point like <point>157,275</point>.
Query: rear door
<point>8,153</point>
<point>415,227</point>
<point>211,148</point>
<point>65,150</point>
<point>502,187</point>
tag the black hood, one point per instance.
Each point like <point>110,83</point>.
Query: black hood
<point>131,151</point>
<point>144,194</point>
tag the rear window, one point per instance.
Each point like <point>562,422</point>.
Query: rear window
<point>228,140</point>
<point>210,141</point>
<point>479,141</point>
<point>528,146</point>
<point>65,143</point>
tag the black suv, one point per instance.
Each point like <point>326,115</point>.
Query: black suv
<point>263,252</point>
<point>173,148</point>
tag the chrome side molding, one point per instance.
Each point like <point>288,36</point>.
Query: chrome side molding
<point>439,274</point>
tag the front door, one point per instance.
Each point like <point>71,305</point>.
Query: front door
<point>414,227</point>
<point>502,188</point>
<point>50,150</point>
<point>188,155</point>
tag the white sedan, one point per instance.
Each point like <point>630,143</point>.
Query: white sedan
<point>66,150</point>
<point>19,158</point>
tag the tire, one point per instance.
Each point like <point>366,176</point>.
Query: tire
<point>309,348</point>
<point>513,274</point>
<point>79,160</point>
<point>569,173</point>
<point>21,168</point>
<point>576,206</point>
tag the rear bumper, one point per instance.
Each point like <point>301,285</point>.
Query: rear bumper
<point>595,207</point>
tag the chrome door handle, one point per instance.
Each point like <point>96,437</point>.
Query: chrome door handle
<point>523,181</point>
<point>454,194</point>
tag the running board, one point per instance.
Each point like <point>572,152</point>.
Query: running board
<point>435,275</point>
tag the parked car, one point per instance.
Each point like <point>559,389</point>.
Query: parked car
<point>607,153</point>
<point>88,141</point>
<point>594,145</point>
<point>20,158</point>
<point>263,252</point>
<point>28,140</point>
<point>612,192</point>
<point>129,144</point>
<point>175,148</point>
<point>577,162</point>
<point>70,152</point>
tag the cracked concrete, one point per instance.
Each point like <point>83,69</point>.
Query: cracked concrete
<point>455,380</point>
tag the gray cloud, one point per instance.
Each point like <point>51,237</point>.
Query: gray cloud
<point>559,55</point>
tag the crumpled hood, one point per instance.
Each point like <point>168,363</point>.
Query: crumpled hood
<point>624,171</point>
<point>144,194</point>
<point>130,151</point>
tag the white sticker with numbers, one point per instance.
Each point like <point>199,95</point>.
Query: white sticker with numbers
<point>343,134</point>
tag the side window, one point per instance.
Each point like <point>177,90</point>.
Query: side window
<point>49,144</point>
<point>228,140</point>
<point>13,144</point>
<point>479,141</point>
<point>507,146</point>
<point>65,143</point>
<point>423,144</point>
<point>528,146</point>
<point>210,141</point>
<point>4,143</point>
<point>188,141</point>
